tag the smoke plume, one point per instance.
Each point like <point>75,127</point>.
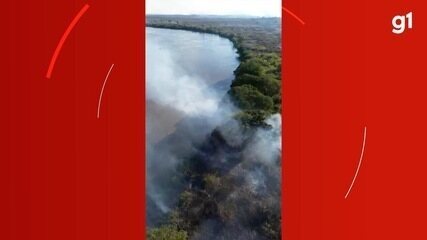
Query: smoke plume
<point>190,118</point>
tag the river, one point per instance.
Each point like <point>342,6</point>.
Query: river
<point>188,76</point>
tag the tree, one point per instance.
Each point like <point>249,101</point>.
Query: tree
<point>247,97</point>
<point>266,84</point>
<point>166,233</point>
<point>252,66</point>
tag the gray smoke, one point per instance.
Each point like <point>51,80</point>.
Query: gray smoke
<point>189,114</point>
<point>257,177</point>
<point>186,100</point>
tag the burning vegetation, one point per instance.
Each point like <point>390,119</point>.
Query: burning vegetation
<point>225,180</point>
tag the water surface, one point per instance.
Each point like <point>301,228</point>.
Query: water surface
<point>188,74</point>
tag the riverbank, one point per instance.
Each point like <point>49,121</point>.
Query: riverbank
<point>256,87</point>
<point>232,38</point>
<point>222,178</point>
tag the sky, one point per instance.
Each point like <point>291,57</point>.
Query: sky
<point>265,8</point>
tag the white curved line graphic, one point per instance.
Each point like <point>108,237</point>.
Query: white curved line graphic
<point>360,164</point>
<point>102,90</point>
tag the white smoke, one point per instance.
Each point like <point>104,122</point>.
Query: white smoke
<point>266,145</point>
<point>175,87</point>
<point>183,102</point>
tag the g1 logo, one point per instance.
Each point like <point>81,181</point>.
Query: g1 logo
<point>399,23</point>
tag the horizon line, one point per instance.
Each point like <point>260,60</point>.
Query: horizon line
<point>219,15</point>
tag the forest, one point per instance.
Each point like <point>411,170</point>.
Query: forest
<point>229,189</point>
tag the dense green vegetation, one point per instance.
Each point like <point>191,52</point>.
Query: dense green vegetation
<point>216,195</point>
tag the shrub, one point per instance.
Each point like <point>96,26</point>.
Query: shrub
<point>166,233</point>
<point>252,66</point>
<point>266,84</point>
<point>247,97</point>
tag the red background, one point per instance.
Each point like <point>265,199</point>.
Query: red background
<point>345,70</point>
<point>64,174</point>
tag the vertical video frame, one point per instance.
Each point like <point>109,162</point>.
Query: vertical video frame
<point>213,119</point>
